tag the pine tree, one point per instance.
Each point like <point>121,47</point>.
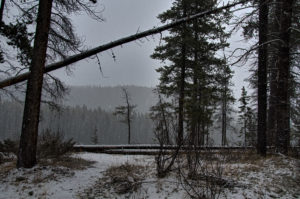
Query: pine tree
<point>225,102</point>
<point>275,80</point>
<point>94,138</point>
<point>175,51</point>
<point>247,119</point>
<point>189,77</point>
<point>61,38</point>
<point>28,141</point>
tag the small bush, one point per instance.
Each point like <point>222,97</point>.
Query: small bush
<point>203,177</point>
<point>125,178</point>
<point>8,150</point>
<point>74,163</point>
<point>9,146</point>
<point>52,145</point>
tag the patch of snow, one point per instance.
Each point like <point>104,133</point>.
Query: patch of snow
<point>266,180</point>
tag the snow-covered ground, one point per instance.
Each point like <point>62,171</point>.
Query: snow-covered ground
<point>274,177</point>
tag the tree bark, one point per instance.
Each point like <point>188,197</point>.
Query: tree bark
<point>28,141</point>
<point>225,94</point>
<point>166,136</point>
<point>262,78</point>
<point>224,116</point>
<point>182,83</point>
<point>181,99</point>
<point>2,10</point>
<point>128,115</point>
<point>273,70</point>
<point>272,106</point>
<point>282,94</point>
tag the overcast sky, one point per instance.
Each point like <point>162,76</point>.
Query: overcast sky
<point>133,65</point>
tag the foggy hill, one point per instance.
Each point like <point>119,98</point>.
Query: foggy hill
<point>109,97</point>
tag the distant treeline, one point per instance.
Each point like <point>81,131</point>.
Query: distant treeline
<point>79,123</point>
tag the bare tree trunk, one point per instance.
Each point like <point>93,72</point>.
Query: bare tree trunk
<point>262,78</point>
<point>129,123</point>
<point>181,102</point>
<point>28,141</point>
<point>192,156</point>
<point>207,136</point>
<point>2,10</point>
<point>272,106</point>
<point>193,112</point>
<point>202,134</point>
<point>166,134</point>
<point>128,114</point>
<point>182,84</point>
<point>273,70</point>
<point>245,134</point>
<point>282,94</point>
<point>224,114</point>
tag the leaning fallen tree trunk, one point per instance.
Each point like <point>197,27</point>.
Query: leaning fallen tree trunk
<point>91,52</point>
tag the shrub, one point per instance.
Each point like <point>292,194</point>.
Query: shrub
<point>9,146</point>
<point>125,178</point>
<point>204,179</point>
<point>53,145</point>
<point>8,150</point>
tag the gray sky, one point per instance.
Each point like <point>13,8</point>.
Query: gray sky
<point>133,65</point>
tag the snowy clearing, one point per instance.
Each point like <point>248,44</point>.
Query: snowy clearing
<point>274,177</point>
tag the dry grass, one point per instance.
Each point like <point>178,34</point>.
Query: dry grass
<point>126,177</point>
<point>68,162</point>
<point>125,180</point>
<point>275,175</point>
<point>5,168</point>
<point>45,171</point>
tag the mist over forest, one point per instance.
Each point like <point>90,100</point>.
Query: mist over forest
<point>88,110</point>
<point>109,97</point>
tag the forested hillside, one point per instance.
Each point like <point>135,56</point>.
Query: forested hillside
<point>79,123</point>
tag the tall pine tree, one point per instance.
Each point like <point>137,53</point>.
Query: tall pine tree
<point>225,103</point>
<point>247,119</point>
<point>190,75</point>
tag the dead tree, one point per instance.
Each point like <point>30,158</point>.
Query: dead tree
<point>126,111</point>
